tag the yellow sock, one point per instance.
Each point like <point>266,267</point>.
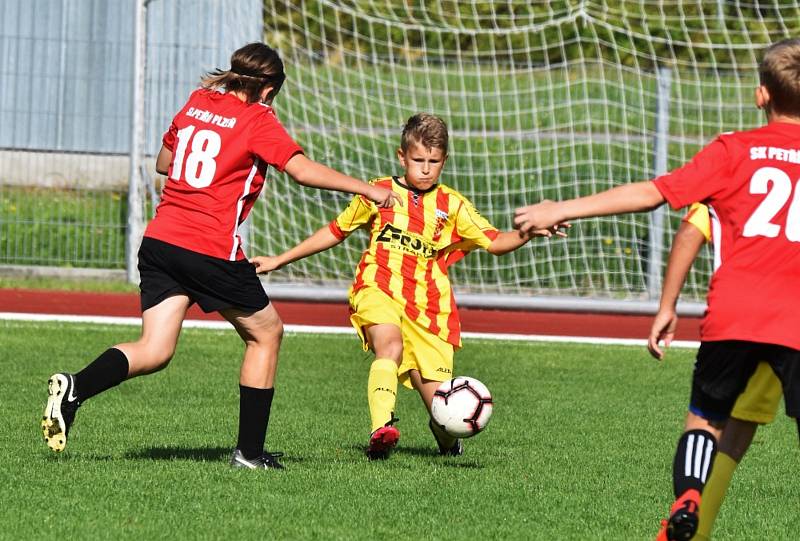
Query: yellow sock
<point>381,391</point>
<point>714,493</point>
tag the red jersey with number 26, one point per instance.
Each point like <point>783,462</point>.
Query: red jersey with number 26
<point>751,182</point>
<point>221,148</point>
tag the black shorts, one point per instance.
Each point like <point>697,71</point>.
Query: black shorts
<point>213,283</point>
<point>723,368</point>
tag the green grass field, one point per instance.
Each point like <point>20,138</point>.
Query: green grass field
<point>580,447</point>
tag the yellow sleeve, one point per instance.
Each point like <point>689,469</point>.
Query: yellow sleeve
<point>698,216</point>
<point>359,212</point>
<point>474,229</point>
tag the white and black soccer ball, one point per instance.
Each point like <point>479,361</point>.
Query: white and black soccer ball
<point>462,406</point>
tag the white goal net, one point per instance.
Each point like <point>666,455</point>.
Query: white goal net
<point>543,100</point>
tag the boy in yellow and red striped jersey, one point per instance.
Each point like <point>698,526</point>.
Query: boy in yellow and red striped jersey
<point>401,302</point>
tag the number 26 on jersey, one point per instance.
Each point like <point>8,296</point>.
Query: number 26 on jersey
<point>777,194</point>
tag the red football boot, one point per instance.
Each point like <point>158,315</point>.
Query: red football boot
<point>683,518</point>
<point>383,440</point>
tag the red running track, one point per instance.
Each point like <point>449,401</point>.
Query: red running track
<point>336,314</point>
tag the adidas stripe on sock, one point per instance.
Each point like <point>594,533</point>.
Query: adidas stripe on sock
<point>693,460</point>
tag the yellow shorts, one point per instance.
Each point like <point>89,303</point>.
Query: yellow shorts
<point>422,350</point>
<point>760,399</point>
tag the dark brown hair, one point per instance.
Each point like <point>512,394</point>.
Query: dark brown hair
<point>779,71</point>
<point>428,130</point>
<point>253,67</point>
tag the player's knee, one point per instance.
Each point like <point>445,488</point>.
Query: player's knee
<point>158,350</point>
<point>147,364</point>
<point>159,358</point>
<point>278,330</point>
<point>271,333</point>
<point>147,356</point>
<point>390,349</point>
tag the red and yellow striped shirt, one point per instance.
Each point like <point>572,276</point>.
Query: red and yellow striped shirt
<point>411,248</point>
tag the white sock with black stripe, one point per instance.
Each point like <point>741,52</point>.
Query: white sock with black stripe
<point>693,460</point>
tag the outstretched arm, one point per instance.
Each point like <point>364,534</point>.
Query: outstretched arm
<point>320,241</point>
<point>636,197</point>
<point>315,175</point>
<point>685,247</point>
<point>508,241</point>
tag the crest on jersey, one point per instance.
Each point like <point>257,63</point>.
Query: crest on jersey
<point>441,220</point>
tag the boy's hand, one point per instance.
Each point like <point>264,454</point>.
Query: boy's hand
<point>541,216</point>
<point>383,197</point>
<point>549,232</point>
<point>265,263</point>
<point>664,325</point>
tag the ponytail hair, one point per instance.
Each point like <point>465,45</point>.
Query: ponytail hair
<point>253,67</point>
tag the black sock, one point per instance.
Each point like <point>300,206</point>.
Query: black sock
<point>108,370</point>
<point>254,408</point>
<point>693,460</point>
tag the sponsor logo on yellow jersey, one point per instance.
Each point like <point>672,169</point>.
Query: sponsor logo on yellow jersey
<point>407,242</point>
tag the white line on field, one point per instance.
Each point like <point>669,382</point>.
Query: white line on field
<point>313,329</point>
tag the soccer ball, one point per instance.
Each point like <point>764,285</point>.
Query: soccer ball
<point>462,406</point>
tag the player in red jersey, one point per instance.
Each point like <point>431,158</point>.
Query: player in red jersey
<point>215,155</point>
<point>758,403</point>
<point>751,181</point>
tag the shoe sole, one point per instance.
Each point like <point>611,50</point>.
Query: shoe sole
<point>236,464</point>
<point>682,526</point>
<point>241,462</point>
<point>52,420</point>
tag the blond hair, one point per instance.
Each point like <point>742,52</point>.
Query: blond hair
<point>428,130</point>
<point>253,67</point>
<point>779,72</point>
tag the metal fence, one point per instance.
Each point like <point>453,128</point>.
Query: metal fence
<point>68,110</point>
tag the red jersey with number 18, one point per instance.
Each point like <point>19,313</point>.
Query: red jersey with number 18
<point>221,148</point>
<point>751,182</point>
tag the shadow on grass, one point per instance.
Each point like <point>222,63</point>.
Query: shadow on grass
<point>426,452</point>
<point>199,454</point>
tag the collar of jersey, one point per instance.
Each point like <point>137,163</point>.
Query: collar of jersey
<point>220,93</point>
<point>412,189</point>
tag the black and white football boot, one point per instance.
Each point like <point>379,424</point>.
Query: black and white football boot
<point>267,461</point>
<point>59,414</point>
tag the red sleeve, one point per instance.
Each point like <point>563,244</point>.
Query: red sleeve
<point>705,176</point>
<point>169,137</point>
<point>336,230</point>
<point>270,141</point>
